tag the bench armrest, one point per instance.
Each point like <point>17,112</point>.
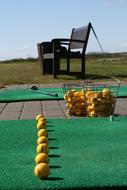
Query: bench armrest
<point>63,40</point>
<point>70,43</point>
<point>60,39</point>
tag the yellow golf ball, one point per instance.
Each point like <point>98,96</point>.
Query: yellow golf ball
<point>38,117</point>
<point>42,139</point>
<point>41,125</point>
<point>42,147</point>
<point>42,132</point>
<point>42,170</point>
<point>41,157</point>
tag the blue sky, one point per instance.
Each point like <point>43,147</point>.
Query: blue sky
<point>24,23</point>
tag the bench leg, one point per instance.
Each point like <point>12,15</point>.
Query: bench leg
<point>55,67</point>
<point>83,67</point>
<point>68,65</point>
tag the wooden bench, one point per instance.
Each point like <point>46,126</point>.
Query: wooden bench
<point>50,53</point>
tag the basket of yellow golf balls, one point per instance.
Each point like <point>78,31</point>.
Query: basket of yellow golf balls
<point>75,99</point>
<point>89,99</point>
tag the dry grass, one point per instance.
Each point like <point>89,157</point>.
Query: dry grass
<point>28,71</point>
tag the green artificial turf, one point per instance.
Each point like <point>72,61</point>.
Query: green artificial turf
<point>122,92</point>
<point>13,95</point>
<point>83,153</point>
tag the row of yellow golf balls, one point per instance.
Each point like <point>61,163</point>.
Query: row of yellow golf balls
<point>41,169</point>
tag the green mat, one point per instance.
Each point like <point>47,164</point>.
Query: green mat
<point>13,95</point>
<point>122,92</point>
<point>83,153</point>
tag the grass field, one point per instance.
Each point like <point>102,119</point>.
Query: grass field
<point>28,71</point>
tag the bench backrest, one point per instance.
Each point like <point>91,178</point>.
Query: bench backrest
<point>81,33</point>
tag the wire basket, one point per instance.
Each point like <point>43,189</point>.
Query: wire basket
<point>75,99</point>
<point>90,99</point>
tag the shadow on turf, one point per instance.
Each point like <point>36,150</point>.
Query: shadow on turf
<point>53,147</point>
<point>50,125</point>
<point>54,156</point>
<point>52,139</point>
<point>50,130</point>
<point>53,178</point>
<point>55,167</point>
